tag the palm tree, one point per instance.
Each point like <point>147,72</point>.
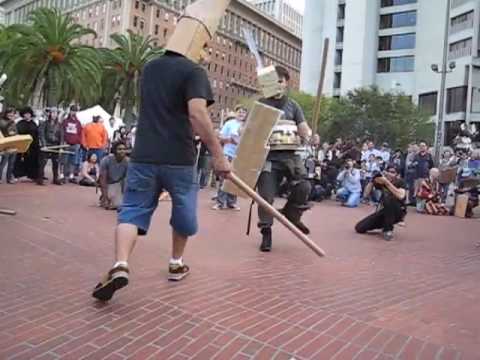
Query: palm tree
<point>123,69</point>
<point>47,59</point>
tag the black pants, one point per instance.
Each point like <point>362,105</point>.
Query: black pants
<point>385,218</point>
<point>43,161</point>
<point>269,183</point>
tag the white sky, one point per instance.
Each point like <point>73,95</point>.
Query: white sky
<point>298,4</point>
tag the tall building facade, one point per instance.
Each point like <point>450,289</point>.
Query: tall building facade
<point>393,44</point>
<point>283,12</point>
<point>232,70</point>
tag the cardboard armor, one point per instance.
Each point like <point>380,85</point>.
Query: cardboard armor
<point>19,143</point>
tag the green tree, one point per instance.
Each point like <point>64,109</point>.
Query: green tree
<point>369,113</point>
<point>123,69</point>
<point>45,57</point>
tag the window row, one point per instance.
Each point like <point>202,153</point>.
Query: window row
<point>388,3</point>
<point>397,42</point>
<point>396,64</point>
<point>457,99</point>
<point>401,19</point>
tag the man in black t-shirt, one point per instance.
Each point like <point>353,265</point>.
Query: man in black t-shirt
<point>392,208</point>
<point>284,164</point>
<point>175,94</point>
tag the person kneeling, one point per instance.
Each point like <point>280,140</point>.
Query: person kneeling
<point>351,191</point>
<point>113,171</point>
<point>89,174</point>
<point>392,208</point>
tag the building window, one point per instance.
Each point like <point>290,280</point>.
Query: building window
<point>337,80</point>
<point>338,57</point>
<point>460,49</point>
<point>165,33</point>
<point>476,100</point>
<point>158,13</point>
<point>428,103</point>
<point>397,42</point>
<point>137,4</point>
<point>387,3</point>
<point>166,16</point>
<point>156,29</point>
<point>135,21</point>
<point>408,18</point>
<point>339,34</point>
<point>341,12</point>
<point>462,19</point>
<point>457,99</point>
<point>143,7</point>
<point>396,64</point>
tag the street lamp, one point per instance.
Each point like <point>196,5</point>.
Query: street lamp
<point>440,123</point>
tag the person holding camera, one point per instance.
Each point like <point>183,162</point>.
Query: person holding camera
<point>392,207</point>
<point>350,192</point>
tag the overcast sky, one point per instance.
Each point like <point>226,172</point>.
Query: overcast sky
<point>298,4</point>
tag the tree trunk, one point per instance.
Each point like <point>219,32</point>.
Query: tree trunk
<point>51,88</point>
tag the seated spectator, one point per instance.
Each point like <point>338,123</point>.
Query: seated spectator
<point>90,171</point>
<point>351,188</point>
<point>113,172</point>
<point>428,196</point>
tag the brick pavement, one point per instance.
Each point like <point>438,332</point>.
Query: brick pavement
<point>414,298</point>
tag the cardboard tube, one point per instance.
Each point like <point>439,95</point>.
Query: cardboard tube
<point>275,213</point>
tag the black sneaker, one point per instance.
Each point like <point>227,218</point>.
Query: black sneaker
<point>177,272</point>
<point>116,279</point>
<point>266,245</point>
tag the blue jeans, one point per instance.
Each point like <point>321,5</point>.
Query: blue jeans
<point>9,160</point>
<point>348,198</point>
<point>71,162</point>
<point>144,184</point>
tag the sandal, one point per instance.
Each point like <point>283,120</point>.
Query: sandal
<point>116,279</point>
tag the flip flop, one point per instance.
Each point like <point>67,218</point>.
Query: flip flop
<point>116,279</point>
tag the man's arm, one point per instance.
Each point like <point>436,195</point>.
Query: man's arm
<point>202,125</point>
<point>399,193</point>
<point>102,178</point>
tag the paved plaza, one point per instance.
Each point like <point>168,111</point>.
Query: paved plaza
<point>417,297</point>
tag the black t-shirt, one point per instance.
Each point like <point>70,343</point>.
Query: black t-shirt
<point>164,134</point>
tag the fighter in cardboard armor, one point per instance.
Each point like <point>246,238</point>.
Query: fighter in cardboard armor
<point>283,163</point>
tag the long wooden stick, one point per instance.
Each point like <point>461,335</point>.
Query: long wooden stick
<point>316,109</point>
<point>277,215</point>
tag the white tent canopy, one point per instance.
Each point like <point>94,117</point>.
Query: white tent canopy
<point>86,116</point>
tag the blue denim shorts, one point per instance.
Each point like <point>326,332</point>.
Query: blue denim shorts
<point>145,182</point>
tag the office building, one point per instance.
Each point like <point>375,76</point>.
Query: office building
<point>393,44</point>
<point>283,12</point>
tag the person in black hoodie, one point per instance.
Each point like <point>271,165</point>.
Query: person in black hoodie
<point>51,134</point>
<point>27,164</point>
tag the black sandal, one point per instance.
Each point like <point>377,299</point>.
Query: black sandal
<point>116,279</point>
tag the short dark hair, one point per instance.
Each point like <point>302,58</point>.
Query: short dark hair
<point>27,110</point>
<point>282,72</point>
<point>116,145</point>
<point>392,167</point>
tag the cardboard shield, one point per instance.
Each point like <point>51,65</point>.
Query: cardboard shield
<point>20,143</point>
<point>253,147</point>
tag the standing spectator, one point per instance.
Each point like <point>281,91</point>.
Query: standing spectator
<point>132,134</point>
<point>50,134</point>
<point>28,163</point>
<point>370,150</point>
<point>422,162</point>
<point>112,127</point>
<point>90,171</point>
<point>325,154</point>
<point>398,161</point>
<point>350,192</point>
<point>72,135</point>
<point>95,138</point>
<point>410,172</point>
<point>230,137</point>
<point>384,152</point>
<point>8,128</point>
<point>113,171</point>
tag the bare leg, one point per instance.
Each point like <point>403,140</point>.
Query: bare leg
<point>178,244</point>
<point>125,240</point>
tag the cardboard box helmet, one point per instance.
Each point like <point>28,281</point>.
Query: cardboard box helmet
<point>196,28</point>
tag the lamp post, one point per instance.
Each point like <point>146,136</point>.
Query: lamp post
<point>440,123</point>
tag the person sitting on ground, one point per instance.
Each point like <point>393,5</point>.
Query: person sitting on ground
<point>428,196</point>
<point>392,209</point>
<point>113,171</point>
<point>351,189</point>
<point>90,171</point>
